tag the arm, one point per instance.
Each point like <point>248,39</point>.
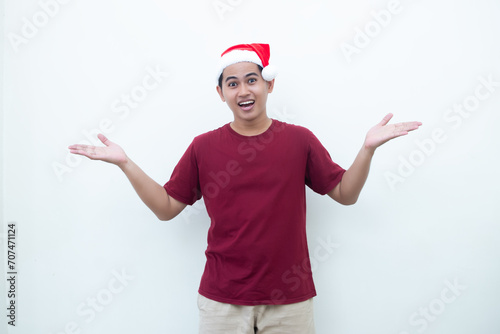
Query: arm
<point>151,193</point>
<point>353,180</point>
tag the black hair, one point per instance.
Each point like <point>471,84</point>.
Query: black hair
<point>220,77</point>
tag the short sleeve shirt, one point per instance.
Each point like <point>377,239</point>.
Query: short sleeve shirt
<point>254,192</point>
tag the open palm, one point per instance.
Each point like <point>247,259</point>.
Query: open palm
<point>111,152</point>
<point>382,132</point>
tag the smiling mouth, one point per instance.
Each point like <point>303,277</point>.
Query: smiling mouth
<point>246,104</point>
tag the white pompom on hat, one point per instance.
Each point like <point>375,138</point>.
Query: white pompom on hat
<point>254,53</point>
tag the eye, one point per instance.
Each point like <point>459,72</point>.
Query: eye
<point>231,84</point>
<point>252,80</point>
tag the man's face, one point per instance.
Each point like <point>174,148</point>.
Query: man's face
<point>245,91</point>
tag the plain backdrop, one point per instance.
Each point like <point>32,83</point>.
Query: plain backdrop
<point>417,253</point>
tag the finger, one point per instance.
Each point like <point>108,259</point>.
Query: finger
<point>79,147</point>
<point>104,139</point>
<point>386,119</point>
<point>410,126</point>
<point>399,134</point>
<point>80,152</point>
<point>85,150</point>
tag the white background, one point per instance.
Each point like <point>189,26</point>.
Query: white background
<point>80,222</point>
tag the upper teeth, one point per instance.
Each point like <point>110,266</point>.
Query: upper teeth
<point>246,102</point>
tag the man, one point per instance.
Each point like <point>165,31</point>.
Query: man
<point>252,174</point>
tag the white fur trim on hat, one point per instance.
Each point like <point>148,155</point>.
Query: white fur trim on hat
<point>237,56</point>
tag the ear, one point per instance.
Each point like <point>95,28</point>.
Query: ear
<point>270,86</point>
<point>221,94</point>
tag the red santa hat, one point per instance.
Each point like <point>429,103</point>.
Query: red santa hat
<point>255,53</point>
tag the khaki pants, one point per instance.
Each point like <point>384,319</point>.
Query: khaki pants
<point>221,318</point>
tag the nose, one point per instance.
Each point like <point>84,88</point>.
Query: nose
<point>244,91</point>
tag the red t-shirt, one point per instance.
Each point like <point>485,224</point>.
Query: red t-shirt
<point>254,192</point>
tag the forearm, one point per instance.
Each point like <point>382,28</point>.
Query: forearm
<point>151,193</point>
<point>353,180</point>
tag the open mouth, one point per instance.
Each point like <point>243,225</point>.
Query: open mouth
<point>247,105</point>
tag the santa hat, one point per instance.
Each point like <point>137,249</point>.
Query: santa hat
<point>255,53</point>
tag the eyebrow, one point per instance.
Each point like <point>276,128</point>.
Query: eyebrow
<point>246,76</point>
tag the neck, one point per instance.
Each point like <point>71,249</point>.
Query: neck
<point>251,128</point>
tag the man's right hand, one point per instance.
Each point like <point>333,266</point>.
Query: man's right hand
<point>111,152</point>
<point>150,192</point>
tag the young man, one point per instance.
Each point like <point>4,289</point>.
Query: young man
<point>252,174</point>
